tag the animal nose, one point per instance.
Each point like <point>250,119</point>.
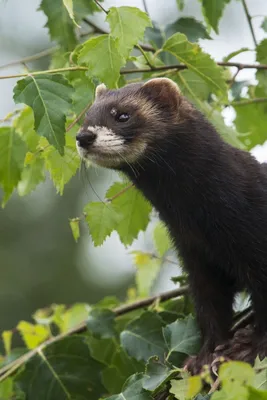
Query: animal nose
<point>85,138</point>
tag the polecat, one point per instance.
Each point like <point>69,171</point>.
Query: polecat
<point>212,197</point>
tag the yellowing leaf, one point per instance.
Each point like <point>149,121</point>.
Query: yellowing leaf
<point>162,239</point>
<point>75,228</point>
<point>147,270</point>
<point>24,126</point>
<point>49,96</point>
<point>7,339</point>
<point>103,59</point>
<point>32,334</point>
<point>194,386</point>
<point>12,153</point>
<point>128,25</point>
<point>61,168</point>
<point>197,61</point>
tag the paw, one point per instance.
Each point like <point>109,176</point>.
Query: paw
<point>194,364</point>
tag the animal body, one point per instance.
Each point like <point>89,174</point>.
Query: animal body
<point>211,196</point>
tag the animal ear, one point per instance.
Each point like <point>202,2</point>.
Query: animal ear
<point>100,90</point>
<point>163,91</point>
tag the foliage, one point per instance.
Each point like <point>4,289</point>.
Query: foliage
<point>109,350</point>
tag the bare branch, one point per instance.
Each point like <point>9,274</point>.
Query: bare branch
<point>249,18</point>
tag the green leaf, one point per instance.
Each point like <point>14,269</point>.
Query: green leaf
<point>260,380</point>
<point>63,370</point>
<point>186,388</point>
<point>84,91</point>
<point>236,372</point>
<point>84,7</point>
<point>24,126</point>
<point>127,25</point>
<point>59,23</point>
<point>50,98</point>
<point>156,374</point>
<point>102,219</point>
<point>180,4</point>
<point>132,390</point>
<point>147,271</point>
<point>32,175</point>
<point>6,389</point>
<point>182,336</point>
<point>101,323</point>
<point>134,210</point>
<point>197,61</point>
<point>103,59</point>
<point>264,24</point>
<point>142,338</point>
<point>162,239</point>
<point>255,394</point>
<point>61,168</point>
<point>192,86</point>
<point>213,11</point>
<point>235,53</point>
<point>261,52</point>
<point>190,27</point>
<point>69,7</point>
<point>250,120</point>
<point>32,334</point>
<point>12,156</point>
<point>75,228</point>
<point>102,349</point>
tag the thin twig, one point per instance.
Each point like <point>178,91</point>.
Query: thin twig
<point>100,6</point>
<point>249,101</point>
<point>249,18</point>
<point>145,57</point>
<point>145,6</point>
<point>48,71</point>
<point>13,366</point>
<point>78,117</point>
<point>96,28</point>
<point>243,321</point>
<point>232,81</point>
<point>215,386</point>
<point>34,57</point>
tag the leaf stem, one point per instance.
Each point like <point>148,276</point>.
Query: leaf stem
<point>249,101</point>
<point>249,18</point>
<point>48,71</point>
<point>34,57</point>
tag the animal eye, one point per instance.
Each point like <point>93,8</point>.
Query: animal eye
<point>123,117</point>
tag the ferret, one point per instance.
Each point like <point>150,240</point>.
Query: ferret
<point>211,196</point>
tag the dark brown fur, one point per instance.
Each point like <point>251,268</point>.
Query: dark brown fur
<point>212,197</point>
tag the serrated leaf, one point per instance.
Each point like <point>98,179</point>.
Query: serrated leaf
<point>50,98</point>
<point>102,349</point>
<point>32,334</point>
<point>75,228</point>
<point>59,23</point>
<point>213,11</point>
<point>63,370</point>
<point>156,374</point>
<point>102,219</point>
<point>134,210</point>
<point>192,85</point>
<point>182,336</point>
<point>197,61</point>
<point>12,154</point>
<point>142,338</point>
<point>127,25</point>
<point>61,168</point>
<point>186,388</point>
<point>24,126</point>
<point>32,175</point>
<point>84,91</point>
<point>7,339</point>
<point>84,7</point>
<point>236,372</point>
<point>190,27</point>
<point>132,390</point>
<point>101,323</point>
<point>162,239</point>
<point>103,59</point>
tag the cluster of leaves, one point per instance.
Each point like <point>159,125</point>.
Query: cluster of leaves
<point>138,354</point>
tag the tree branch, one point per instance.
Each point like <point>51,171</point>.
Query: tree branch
<point>249,18</point>
<point>100,6</point>
<point>9,369</point>
<point>34,57</point>
<point>249,101</point>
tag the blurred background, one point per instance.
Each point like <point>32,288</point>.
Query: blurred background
<point>40,263</point>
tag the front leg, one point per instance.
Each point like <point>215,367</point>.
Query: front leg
<point>213,296</point>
